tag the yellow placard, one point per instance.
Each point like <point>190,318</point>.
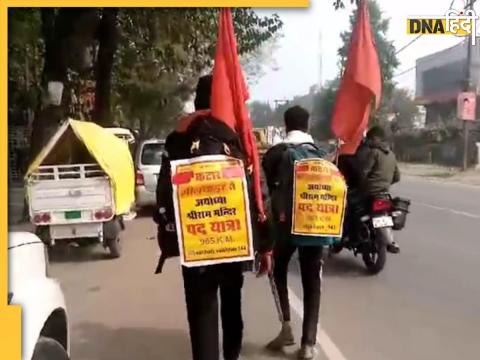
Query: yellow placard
<point>212,210</point>
<point>319,199</point>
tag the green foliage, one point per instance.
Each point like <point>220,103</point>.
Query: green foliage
<point>323,109</point>
<point>256,62</point>
<point>25,53</point>
<point>404,108</point>
<point>325,99</point>
<point>162,52</point>
<point>261,114</point>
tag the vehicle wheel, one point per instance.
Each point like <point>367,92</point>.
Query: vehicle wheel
<point>115,247</point>
<point>49,349</point>
<point>375,258</point>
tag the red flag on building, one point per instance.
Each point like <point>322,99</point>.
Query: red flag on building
<point>229,96</point>
<point>361,85</point>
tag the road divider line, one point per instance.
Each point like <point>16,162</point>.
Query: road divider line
<point>453,211</point>
<point>328,346</point>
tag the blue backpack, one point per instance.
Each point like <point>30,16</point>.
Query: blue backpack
<point>282,197</point>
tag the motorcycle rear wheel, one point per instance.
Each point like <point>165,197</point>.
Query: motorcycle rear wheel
<point>375,259</point>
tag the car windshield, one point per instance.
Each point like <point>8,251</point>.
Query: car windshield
<point>152,154</point>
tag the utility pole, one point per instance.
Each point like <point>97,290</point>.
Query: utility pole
<point>468,88</point>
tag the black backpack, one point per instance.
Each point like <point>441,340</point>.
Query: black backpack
<point>204,136</point>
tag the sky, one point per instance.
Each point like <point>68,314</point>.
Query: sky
<point>298,54</point>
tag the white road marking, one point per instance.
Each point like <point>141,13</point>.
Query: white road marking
<point>328,346</point>
<point>453,211</point>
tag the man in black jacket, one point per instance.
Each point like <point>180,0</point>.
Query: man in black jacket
<point>201,284</point>
<point>370,172</point>
<point>379,164</point>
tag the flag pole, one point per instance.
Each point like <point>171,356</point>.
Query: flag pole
<point>337,151</point>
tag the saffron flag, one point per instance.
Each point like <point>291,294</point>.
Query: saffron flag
<point>229,96</point>
<point>360,87</point>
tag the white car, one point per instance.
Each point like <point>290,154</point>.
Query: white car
<point>148,160</point>
<point>45,332</point>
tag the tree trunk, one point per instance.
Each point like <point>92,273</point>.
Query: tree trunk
<point>58,30</point>
<point>108,42</point>
<point>54,69</point>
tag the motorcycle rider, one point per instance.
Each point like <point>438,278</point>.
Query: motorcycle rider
<point>371,171</point>
<point>296,122</point>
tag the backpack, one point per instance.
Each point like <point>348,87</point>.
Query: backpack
<point>204,136</point>
<point>283,195</point>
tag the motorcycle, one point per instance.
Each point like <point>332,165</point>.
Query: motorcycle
<point>369,230</point>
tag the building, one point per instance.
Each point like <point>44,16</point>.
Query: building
<point>441,76</point>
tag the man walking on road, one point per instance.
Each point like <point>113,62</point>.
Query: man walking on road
<point>196,135</point>
<point>296,122</point>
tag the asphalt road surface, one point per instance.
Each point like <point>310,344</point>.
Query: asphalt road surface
<point>424,305</point>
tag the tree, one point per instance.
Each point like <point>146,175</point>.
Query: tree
<point>107,34</point>
<point>255,63</point>
<point>66,35</point>
<point>162,52</point>
<point>120,51</point>
<point>25,50</point>
<point>404,109</point>
<point>323,109</point>
<point>261,114</point>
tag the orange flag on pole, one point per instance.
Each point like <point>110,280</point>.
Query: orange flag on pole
<point>361,85</point>
<point>229,96</point>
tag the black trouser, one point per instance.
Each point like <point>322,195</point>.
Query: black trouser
<point>310,267</point>
<point>201,290</point>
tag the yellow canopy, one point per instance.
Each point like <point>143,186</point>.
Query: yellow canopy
<point>110,152</point>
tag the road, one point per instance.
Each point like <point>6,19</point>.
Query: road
<point>424,305</point>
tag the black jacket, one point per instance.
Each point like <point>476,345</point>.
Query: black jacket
<point>271,165</point>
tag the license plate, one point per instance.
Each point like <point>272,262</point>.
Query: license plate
<point>71,215</point>
<point>382,222</point>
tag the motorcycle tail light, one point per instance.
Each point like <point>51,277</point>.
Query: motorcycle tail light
<point>381,205</point>
<point>139,178</point>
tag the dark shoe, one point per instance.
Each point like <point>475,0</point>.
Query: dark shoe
<point>306,352</point>
<point>393,248</point>
<point>284,338</point>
